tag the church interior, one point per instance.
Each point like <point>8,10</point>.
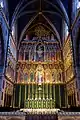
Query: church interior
<point>40,54</point>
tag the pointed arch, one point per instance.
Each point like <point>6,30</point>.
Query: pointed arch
<point>18,10</point>
<point>31,75</point>
<point>64,11</point>
<point>26,75</point>
<point>26,27</point>
<point>48,76</point>
<point>32,19</point>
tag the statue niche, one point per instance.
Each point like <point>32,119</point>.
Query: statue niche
<point>39,74</point>
<point>40,52</point>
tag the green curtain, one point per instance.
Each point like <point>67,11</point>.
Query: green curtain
<point>57,96</point>
<point>27,92</point>
<point>22,96</point>
<point>62,94</point>
<point>53,91</point>
<point>17,89</point>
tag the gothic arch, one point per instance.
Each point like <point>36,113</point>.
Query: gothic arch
<point>19,9</point>
<point>48,75</point>
<point>31,75</point>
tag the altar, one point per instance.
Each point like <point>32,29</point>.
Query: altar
<point>40,104</point>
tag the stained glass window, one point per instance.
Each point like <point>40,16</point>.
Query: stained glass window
<point>78,4</point>
<point>2,4</point>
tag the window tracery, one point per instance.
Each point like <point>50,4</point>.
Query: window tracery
<point>78,4</point>
<point>1,4</point>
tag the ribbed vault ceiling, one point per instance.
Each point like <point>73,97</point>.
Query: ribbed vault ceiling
<point>24,12</point>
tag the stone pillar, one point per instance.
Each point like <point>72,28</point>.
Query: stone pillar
<point>44,54</point>
<point>35,53</point>
<point>29,55</point>
<point>78,81</point>
<point>74,9</point>
<point>2,89</point>
<point>24,55</point>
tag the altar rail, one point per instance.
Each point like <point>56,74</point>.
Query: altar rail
<point>25,116</point>
<point>69,116</point>
<point>12,116</point>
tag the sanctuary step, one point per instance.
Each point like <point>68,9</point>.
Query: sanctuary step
<point>41,117</point>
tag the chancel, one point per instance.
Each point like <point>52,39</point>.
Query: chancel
<point>40,55</point>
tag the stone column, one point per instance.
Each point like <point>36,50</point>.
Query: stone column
<point>29,55</point>
<point>78,81</point>
<point>24,54</point>
<point>44,53</point>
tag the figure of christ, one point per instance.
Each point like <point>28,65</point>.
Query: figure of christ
<point>39,77</point>
<point>40,53</point>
